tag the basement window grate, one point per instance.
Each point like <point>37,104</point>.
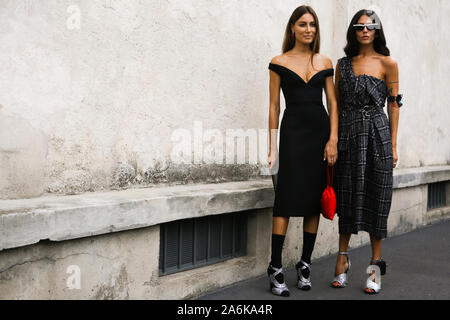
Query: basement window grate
<point>436,195</point>
<point>197,242</point>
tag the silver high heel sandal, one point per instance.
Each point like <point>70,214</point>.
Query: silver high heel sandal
<point>342,278</point>
<point>302,282</point>
<point>375,286</point>
<point>279,289</point>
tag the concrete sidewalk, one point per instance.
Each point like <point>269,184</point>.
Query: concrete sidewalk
<point>418,267</point>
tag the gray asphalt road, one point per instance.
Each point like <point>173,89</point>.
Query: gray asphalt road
<point>418,268</point>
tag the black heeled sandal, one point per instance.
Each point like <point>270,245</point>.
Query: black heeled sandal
<point>303,275</point>
<point>277,286</point>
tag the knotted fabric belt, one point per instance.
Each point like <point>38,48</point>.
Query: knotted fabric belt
<point>366,110</point>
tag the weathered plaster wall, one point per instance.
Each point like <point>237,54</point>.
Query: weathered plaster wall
<point>94,108</point>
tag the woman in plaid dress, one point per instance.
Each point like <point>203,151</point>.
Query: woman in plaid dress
<point>367,154</point>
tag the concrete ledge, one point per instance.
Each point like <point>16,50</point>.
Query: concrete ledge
<point>27,221</point>
<point>411,177</point>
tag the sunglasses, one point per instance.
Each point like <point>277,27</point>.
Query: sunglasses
<point>370,26</point>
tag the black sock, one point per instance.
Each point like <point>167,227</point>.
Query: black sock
<point>309,240</point>
<point>277,248</point>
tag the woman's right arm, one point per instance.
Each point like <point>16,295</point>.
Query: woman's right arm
<point>274,114</point>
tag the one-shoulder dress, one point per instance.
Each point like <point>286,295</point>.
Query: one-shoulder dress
<point>304,132</point>
<point>363,175</point>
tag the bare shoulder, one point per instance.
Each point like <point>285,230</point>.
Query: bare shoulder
<point>278,59</point>
<point>389,63</point>
<point>323,61</point>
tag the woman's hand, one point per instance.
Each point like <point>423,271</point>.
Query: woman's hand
<point>272,158</point>
<point>330,152</point>
<point>394,154</point>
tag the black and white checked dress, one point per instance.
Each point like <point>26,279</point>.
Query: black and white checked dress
<point>363,180</point>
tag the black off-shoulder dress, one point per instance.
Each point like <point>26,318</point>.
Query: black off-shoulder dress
<point>304,132</point>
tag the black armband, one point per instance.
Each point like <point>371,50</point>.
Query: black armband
<point>397,99</point>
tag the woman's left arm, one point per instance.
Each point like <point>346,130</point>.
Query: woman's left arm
<point>393,109</point>
<point>332,108</point>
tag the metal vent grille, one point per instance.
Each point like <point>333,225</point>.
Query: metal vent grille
<point>436,195</point>
<point>192,243</point>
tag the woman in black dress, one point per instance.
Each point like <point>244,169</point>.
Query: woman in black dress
<point>308,137</point>
<point>367,141</point>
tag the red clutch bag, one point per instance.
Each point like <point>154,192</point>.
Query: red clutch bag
<point>328,200</point>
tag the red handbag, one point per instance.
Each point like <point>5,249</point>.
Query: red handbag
<point>328,200</point>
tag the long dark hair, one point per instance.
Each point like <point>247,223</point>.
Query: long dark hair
<point>379,44</point>
<point>289,41</point>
